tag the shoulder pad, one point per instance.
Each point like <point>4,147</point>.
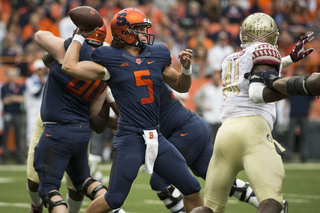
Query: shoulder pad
<point>266,54</point>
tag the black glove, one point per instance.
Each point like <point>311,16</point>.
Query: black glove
<point>268,77</point>
<point>253,77</point>
<point>298,52</point>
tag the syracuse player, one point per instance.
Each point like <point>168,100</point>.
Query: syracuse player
<point>64,142</point>
<point>134,70</point>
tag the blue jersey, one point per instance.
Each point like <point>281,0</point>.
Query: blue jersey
<point>135,82</point>
<point>173,115</point>
<point>8,90</point>
<point>187,132</point>
<point>65,98</point>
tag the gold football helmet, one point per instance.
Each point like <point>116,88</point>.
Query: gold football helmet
<point>258,27</point>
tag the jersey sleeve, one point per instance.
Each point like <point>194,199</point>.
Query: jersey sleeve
<point>167,54</point>
<point>85,52</point>
<point>266,54</point>
<point>67,43</point>
<point>162,53</point>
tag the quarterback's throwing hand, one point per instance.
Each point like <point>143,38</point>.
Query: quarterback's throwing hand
<point>185,58</point>
<point>85,33</point>
<point>298,52</point>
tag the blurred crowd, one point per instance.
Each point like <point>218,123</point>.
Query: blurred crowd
<point>209,27</point>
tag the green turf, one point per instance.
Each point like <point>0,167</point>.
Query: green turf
<point>301,188</point>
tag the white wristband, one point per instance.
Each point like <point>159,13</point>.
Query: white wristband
<point>79,38</point>
<point>186,71</point>
<point>286,61</point>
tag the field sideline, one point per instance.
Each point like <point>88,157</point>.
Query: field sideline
<point>301,188</point>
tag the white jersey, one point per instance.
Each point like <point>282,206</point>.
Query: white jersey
<point>235,86</point>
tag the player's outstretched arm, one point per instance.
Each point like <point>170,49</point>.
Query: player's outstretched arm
<point>259,90</point>
<point>298,85</point>
<point>51,43</point>
<point>298,51</point>
<point>294,85</point>
<point>180,82</point>
<point>83,70</point>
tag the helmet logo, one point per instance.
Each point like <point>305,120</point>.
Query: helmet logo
<point>121,19</point>
<point>259,27</point>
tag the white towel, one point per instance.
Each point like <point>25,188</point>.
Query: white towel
<point>151,141</point>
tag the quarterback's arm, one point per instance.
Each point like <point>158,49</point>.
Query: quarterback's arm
<point>51,43</point>
<point>180,82</point>
<point>83,70</point>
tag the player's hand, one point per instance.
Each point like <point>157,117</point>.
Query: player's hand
<point>85,33</point>
<point>298,51</point>
<point>269,77</point>
<point>253,77</point>
<point>185,58</point>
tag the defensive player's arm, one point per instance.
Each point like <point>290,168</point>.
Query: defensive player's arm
<point>297,85</point>
<point>265,57</point>
<point>256,87</point>
<point>294,85</point>
<point>83,70</point>
<point>51,43</point>
<point>180,82</point>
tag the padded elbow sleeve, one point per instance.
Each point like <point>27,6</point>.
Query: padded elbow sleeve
<point>297,85</point>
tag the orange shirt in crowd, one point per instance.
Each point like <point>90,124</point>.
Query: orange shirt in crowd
<point>264,5</point>
<point>5,7</point>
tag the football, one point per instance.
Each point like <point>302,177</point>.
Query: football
<point>86,18</point>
